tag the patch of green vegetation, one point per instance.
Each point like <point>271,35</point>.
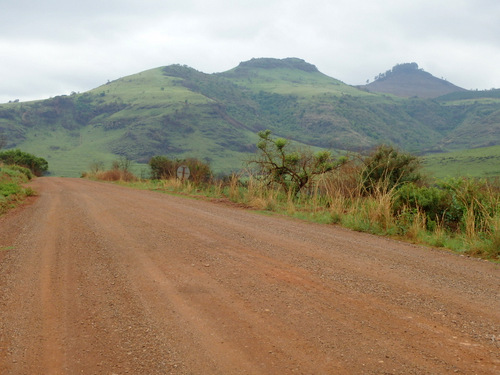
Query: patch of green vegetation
<point>147,89</point>
<point>12,190</point>
<point>471,95</point>
<point>35,164</point>
<point>69,153</point>
<point>480,162</point>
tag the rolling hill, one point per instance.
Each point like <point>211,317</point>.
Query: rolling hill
<point>179,112</point>
<point>407,80</point>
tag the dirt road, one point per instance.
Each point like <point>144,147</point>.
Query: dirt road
<point>101,279</point>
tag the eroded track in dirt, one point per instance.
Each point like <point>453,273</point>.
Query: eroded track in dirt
<point>101,279</point>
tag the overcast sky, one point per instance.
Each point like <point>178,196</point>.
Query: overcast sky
<point>54,47</point>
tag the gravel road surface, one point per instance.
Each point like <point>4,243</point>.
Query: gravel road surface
<point>102,279</point>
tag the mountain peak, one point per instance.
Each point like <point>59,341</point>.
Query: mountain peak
<point>403,68</point>
<point>408,80</point>
<point>271,63</point>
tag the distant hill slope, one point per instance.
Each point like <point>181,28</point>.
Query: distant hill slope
<point>477,162</point>
<point>407,80</point>
<point>180,112</point>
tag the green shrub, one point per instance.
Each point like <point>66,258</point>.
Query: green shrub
<point>25,171</point>
<point>431,201</point>
<point>466,205</point>
<point>387,167</point>
<point>8,189</point>
<point>165,168</point>
<point>36,164</point>
<point>472,203</point>
<point>11,190</point>
<point>162,167</point>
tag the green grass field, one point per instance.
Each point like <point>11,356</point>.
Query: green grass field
<point>479,162</point>
<point>71,154</point>
<point>147,89</point>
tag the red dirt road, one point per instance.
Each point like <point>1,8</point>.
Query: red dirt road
<point>101,279</point>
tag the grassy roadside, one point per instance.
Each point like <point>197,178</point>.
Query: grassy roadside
<point>12,191</point>
<point>476,233</point>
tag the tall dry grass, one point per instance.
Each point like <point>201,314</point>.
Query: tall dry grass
<point>259,195</point>
<point>119,172</point>
<point>116,175</point>
<point>350,205</point>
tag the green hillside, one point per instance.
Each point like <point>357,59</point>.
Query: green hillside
<point>179,112</point>
<point>287,77</point>
<point>138,116</point>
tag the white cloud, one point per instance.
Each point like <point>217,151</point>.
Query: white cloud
<point>54,47</point>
